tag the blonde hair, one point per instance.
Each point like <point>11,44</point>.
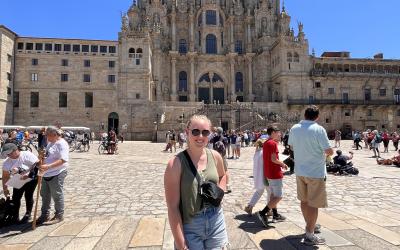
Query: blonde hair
<point>197,118</point>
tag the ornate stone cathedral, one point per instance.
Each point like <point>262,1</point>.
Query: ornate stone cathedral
<point>237,61</point>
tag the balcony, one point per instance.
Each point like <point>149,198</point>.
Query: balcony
<point>342,102</point>
<point>325,73</point>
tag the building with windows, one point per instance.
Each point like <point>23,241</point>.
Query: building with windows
<point>237,61</point>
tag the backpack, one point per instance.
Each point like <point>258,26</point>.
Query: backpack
<point>219,146</point>
<point>8,212</point>
<point>378,139</point>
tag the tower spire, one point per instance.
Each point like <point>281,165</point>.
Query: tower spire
<point>283,6</point>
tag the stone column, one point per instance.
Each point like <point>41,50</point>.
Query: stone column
<point>192,88</point>
<point>232,41</point>
<point>211,75</point>
<point>173,76</point>
<point>232,67</point>
<point>249,46</point>
<point>217,18</point>
<point>191,32</point>
<point>249,58</point>
<point>173,29</point>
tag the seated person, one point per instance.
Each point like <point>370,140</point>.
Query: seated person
<point>342,159</point>
<point>394,161</point>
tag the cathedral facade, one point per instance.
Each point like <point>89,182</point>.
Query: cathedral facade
<point>238,61</point>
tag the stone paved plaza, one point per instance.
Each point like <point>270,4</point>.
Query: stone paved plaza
<point>117,202</point>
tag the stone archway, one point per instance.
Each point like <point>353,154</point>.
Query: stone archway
<point>211,87</point>
<point>113,122</point>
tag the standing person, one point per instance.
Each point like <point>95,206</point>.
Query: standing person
<point>310,144</point>
<point>395,140</point>
<point>22,163</point>
<point>42,140</point>
<point>376,141</point>
<point>357,139</point>
<point>92,137</point>
<point>238,144</point>
<point>233,138</point>
<point>338,137</point>
<point>219,144</point>
<point>260,183</point>
<point>55,170</point>
<point>228,144</point>
<point>273,173</point>
<point>365,137</point>
<point>194,223</point>
<point>112,140</point>
<point>173,140</point>
<point>385,139</point>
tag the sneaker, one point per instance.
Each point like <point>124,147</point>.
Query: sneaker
<point>25,219</point>
<point>56,219</point>
<point>278,217</point>
<point>314,240</point>
<point>317,229</point>
<point>263,219</point>
<point>42,219</point>
<point>249,210</point>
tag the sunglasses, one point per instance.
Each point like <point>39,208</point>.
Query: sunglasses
<point>204,133</point>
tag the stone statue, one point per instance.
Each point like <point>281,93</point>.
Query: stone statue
<point>300,24</point>
<point>264,26</point>
<point>156,18</point>
<point>125,22</point>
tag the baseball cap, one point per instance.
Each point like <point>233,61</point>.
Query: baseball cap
<point>7,149</point>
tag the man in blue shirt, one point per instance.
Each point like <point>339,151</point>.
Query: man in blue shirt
<point>310,144</point>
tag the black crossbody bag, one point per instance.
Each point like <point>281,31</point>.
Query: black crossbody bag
<point>208,190</point>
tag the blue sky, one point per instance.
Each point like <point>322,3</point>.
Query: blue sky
<point>363,27</point>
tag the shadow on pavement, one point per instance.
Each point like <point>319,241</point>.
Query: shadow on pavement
<point>288,242</point>
<point>251,224</point>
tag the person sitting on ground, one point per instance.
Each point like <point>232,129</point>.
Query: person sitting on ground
<point>395,160</point>
<point>342,159</point>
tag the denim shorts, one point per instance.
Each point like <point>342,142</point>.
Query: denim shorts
<point>207,230</point>
<point>275,186</point>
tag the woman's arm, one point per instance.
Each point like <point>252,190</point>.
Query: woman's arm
<point>220,169</point>
<point>172,180</point>
<point>5,178</point>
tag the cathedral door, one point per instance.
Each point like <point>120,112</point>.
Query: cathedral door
<point>204,95</point>
<point>113,122</point>
<point>218,94</point>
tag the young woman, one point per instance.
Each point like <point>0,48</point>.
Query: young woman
<point>194,224</point>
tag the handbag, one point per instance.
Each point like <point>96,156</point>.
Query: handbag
<point>209,192</point>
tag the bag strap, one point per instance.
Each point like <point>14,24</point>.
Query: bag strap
<point>192,168</point>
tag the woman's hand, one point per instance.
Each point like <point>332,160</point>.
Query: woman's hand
<point>44,167</point>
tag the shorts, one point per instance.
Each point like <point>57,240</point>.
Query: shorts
<point>206,230</point>
<point>312,191</point>
<point>237,146</point>
<point>276,187</point>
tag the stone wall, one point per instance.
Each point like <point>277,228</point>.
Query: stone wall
<point>6,75</point>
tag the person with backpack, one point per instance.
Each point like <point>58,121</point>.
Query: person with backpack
<point>376,141</point>
<point>220,144</point>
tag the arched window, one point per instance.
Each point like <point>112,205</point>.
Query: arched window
<point>211,17</point>
<point>131,52</point>
<point>239,47</point>
<point>217,78</point>
<point>211,44</point>
<point>182,46</point>
<point>289,57</point>
<point>239,82</point>
<point>139,51</point>
<point>296,57</point>
<point>205,77</point>
<point>182,81</point>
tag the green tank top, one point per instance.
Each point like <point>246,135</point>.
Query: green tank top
<point>191,202</point>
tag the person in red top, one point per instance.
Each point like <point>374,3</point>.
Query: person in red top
<point>273,172</point>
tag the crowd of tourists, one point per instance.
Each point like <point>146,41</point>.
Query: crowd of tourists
<point>197,178</point>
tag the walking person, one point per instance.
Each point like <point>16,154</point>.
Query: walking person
<point>260,183</point>
<point>195,224</point>
<point>395,140</point>
<point>23,163</point>
<point>310,144</point>
<point>338,137</point>
<point>376,141</point>
<point>273,173</point>
<point>386,140</point>
<point>55,170</point>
